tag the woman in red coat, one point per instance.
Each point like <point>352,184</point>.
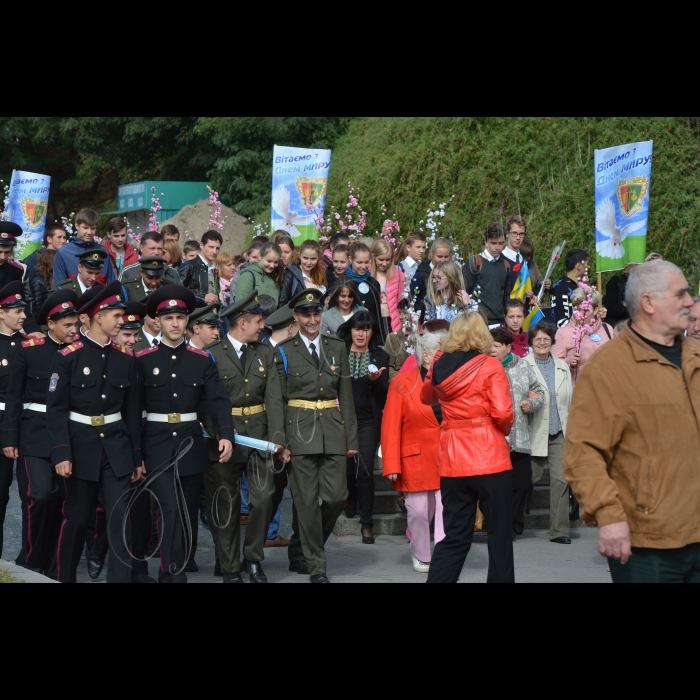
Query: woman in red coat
<point>474,458</point>
<point>410,439</point>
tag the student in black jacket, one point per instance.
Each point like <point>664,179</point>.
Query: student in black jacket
<point>200,275</point>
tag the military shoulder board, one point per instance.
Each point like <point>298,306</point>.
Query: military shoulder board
<point>74,347</point>
<point>123,349</point>
<point>34,342</point>
<point>197,351</point>
<point>148,351</point>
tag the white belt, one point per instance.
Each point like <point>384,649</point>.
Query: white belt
<point>95,421</point>
<point>36,407</point>
<point>172,418</point>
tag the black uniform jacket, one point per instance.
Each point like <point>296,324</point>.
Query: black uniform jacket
<point>29,383</point>
<point>8,344</point>
<point>93,381</point>
<point>179,381</point>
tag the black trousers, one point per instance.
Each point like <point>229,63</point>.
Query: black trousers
<point>177,501</point>
<point>140,521</point>
<point>361,472</point>
<point>6,467</point>
<point>79,506</point>
<point>96,540</point>
<point>459,500</point>
<point>41,523</point>
<point>522,482</point>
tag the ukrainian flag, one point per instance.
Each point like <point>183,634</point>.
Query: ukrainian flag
<point>535,316</point>
<point>523,285</point>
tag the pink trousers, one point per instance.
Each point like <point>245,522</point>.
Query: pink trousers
<point>422,508</point>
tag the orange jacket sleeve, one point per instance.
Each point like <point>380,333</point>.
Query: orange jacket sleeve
<point>391,431</point>
<point>501,400</point>
<point>429,395</point>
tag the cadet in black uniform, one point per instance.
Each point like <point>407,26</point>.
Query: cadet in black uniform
<point>10,271</point>
<point>175,378</point>
<point>12,317</point>
<point>95,433</point>
<point>24,436</point>
<point>130,335</point>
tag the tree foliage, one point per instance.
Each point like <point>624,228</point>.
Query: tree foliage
<point>542,167</point>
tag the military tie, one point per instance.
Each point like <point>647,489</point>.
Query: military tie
<point>156,343</point>
<point>314,356</point>
<point>244,355</point>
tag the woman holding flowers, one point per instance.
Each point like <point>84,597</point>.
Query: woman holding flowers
<point>585,333</point>
<point>446,297</point>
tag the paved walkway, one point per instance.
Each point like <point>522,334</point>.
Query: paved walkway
<point>389,561</point>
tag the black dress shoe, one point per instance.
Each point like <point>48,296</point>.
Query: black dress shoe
<point>299,567</point>
<point>370,539</point>
<point>191,567</point>
<point>217,570</point>
<point>518,529</point>
<point>203,517</point>
<point>142,579</point>
<point>350,514</point>
<point>322,578</point>
<point>561,540</point>
<point>94,566</point>
<point>233,578</point>
<point>255,571</point>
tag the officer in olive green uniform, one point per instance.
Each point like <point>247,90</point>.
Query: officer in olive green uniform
<point>320,435</point>
<point>144,280</point>
<point>90,267</point>
<point>248,371</point>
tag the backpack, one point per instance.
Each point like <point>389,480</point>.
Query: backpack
<point>479,264</point>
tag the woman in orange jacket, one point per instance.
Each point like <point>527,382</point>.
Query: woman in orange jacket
<point>473,391</point>
<point>410,438</point>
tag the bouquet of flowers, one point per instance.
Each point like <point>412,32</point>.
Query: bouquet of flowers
<point>155,208</point>
<point>353,221</point>
<point>216,222</point>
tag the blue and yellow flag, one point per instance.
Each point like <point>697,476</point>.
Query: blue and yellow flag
<point>523,285</point>
<point>534,317</point>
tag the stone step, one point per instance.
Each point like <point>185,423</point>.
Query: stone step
<point>382,484</point>
<point>541,499</point>
<point>384,526</point>
<point>539,520</point>
<point>386,503</point>
<point>546,480</point>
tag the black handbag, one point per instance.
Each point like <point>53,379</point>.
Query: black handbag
<point>574,508</point>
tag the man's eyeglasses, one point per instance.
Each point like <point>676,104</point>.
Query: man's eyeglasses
<point>656,257</point>
<point>516,235</point>
<point>543,341</point>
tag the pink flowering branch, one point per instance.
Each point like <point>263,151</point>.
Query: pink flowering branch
<point>216,222</point>
<point>155,208</point>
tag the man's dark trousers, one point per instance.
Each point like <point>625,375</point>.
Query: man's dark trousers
<point>659,566</point>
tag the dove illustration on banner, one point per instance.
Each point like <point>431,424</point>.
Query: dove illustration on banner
<point>606,224</point>
<point>288,220</point>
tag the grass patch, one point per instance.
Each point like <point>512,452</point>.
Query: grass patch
<point>6,578</point>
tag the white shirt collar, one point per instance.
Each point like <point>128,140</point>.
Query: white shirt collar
<point>273,343</point>
<point>87,335</point>
<point>513,256</point>
<point>308,342</point>
<point>410,263</point>
<point>83,288</point>
<point>238,347</point>
<point>150,338</point>
<point>487,256</point>
<point>210,266</point>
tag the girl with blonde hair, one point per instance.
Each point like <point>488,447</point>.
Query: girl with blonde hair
<point>392,282</point>
<point>446,297</point>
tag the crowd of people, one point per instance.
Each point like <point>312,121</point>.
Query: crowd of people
<point>131,378</point>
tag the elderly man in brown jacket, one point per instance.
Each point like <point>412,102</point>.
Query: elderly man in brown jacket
<point>633,446</point>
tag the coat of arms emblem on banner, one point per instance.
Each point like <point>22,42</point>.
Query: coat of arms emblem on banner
<point>312,191</point>
<point>631,194</point>
<point>33,211</point>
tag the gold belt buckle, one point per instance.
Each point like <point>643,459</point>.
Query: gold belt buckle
<point>247,411</point>
<point>174,418</point>
<point>98,421</point>
<point>319,405</point>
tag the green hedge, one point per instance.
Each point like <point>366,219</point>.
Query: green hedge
<point>540,166</point>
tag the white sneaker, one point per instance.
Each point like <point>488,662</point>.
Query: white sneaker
<point>419,567</point>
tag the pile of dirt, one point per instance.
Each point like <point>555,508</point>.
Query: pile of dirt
<point>195,218</point>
